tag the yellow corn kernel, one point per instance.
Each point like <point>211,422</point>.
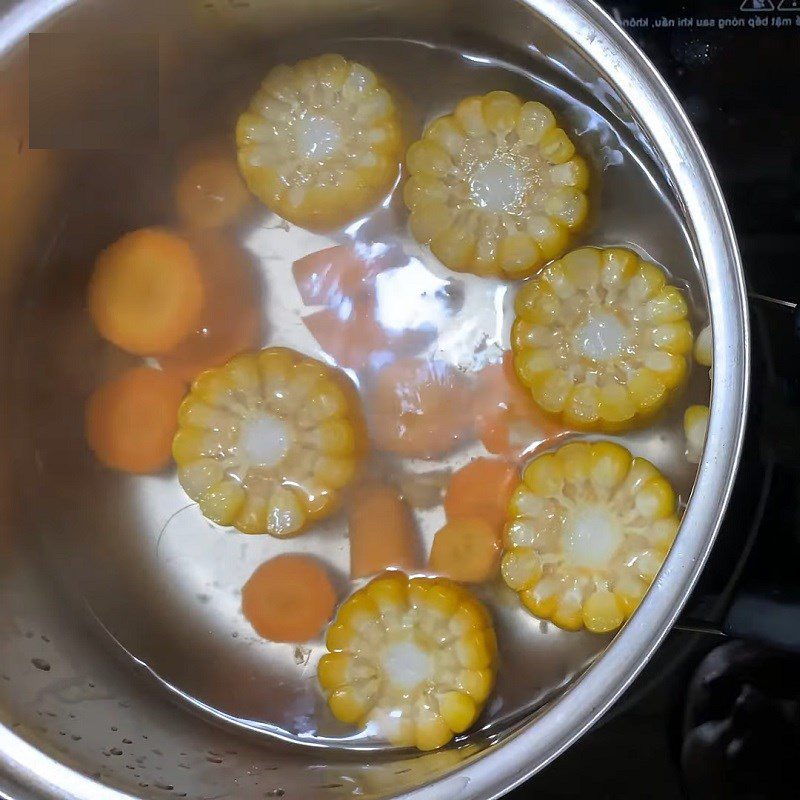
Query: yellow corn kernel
<point>600,338</point>
<point>544,475</point>
<point>629,591</point>
<point>518,254</point>
<point>695,426</point>
<point>576,461</point>
<point>675,337</point>
<point>422,188</point>
<point>455,247</point>
<point>556,147</point>
<point>333,670</point>
<point>254,516</point>
<point>616,406</point>
<point>647,391</point>
<point>664,531</point>
<point>469,115</point>
<point>197,477</point>
<point>321,141</point>
<point>647,281</point>
<point>583,407</point>
<point>521,568</point>
<point>348,704</point>
<point>535,120</point>
<point>586,533</point>
<point>460,205</point>
<point>279,433</point>
<point>655,499</point>
<point>703,349</point>
<point>611,462</point>
<point>582,268</point>
<point>550,234</point>
<point>525,503</point>
<point>222,502</point>
<point>618,267</point>
<point>432,732</point>
<point>551,389</point>
<point>602,612</point>
<point>477,683</point>
<point>458,710</point>
<point>667,306</point>
<point>429,219</point>
<point>568,613</point>
<point>574,173</point>
<point>387,666</point>
<point>538,602</point>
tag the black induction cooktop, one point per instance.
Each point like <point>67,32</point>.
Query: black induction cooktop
<point>716,713</point>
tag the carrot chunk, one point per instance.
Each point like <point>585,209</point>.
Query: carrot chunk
<point>507,420</point>
<point>382,532</point>
<point>481,489</point>
<point>130,420</point>
<point>419,408</point>
<point>146,292</point>
<point>466,549</point>
<point>210,192</point>
<point>289,598</point>
<point>230,320</point>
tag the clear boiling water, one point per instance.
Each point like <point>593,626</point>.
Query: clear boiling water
<point>164,583</point>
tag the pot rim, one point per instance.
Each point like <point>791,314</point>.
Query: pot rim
<point>500,768</point>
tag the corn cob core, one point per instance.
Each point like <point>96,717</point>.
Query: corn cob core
<point>495,187</point>
<point>411,658</point>
<point>588,529</point>
<point>600,338</point>
<point>695,425</point>
<point>320,142</point>
<point>266,442</point>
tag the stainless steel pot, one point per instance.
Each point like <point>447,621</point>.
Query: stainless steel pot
<point>74,720</point>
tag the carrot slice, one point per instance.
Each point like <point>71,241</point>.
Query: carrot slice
<point>507,420</point>
<point>230,320</point>
<point>382,532</point>
<point>466,549</point>
<point>326,277</point>
<point>131,420</point>
<point>210,192</point>
<point>289,598</point>
<point>354,338</point>
<point>146,292</point>
<point>419,407</point>
<point>482,489</point>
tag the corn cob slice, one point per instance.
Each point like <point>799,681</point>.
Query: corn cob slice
<point>601,339</point>
<point>320,142</point>
<point>267,442</point>
<point>495,188</point>
<point>588,529</point>
<point>413,659</point>
<point>695,426</point>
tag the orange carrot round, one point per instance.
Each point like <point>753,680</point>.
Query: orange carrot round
<point>210,192</point>
<point>327,276</point>
<point>466,549</point>
<point>230,320</point>
<point>503,409</point>
<point>481,489</point>
<point>146,291</point>
<point>382,532</point>
<point>289,598</point>
<point>131,420</point>
<point>419,408</point>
